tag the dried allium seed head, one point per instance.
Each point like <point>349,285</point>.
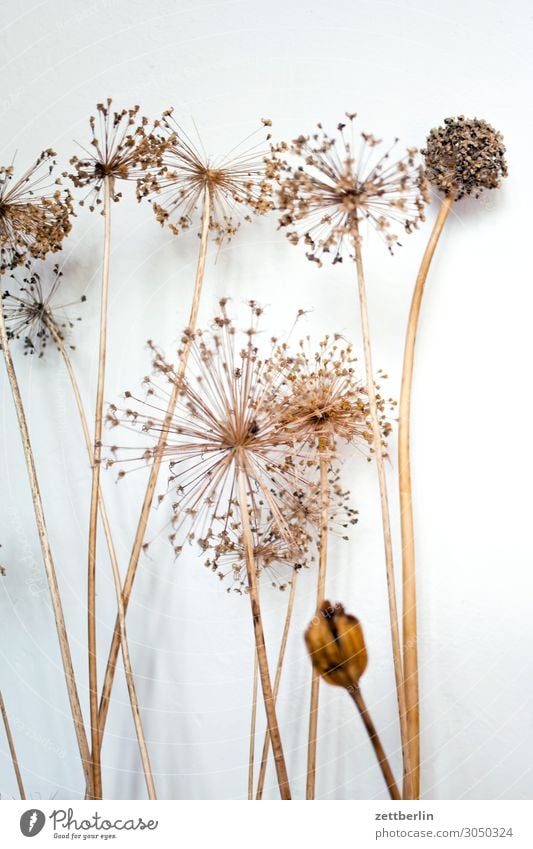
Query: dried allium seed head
<point>322,400</point>
<point>121,149</point>
<point>30,313</point>
<point>465,156</point>
<point>336,645</point>
<point>223,423</point>
<point>240,183</point>
<point>326,197</point>
<point>34,213</point>
<point>276,555</point>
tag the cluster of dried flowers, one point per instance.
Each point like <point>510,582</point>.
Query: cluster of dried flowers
<point>251,432</point>
<point>334,187</point>
<point>464,157</point>
<point>239,184</point>
<point>34,212</point>
<point>30,312</point>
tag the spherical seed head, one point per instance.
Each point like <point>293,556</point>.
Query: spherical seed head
<point>121,148</point>
<point>320,400</point>
<point>336,646</point>
<point>31,312</point>
<point>239,185</point>
<point>34,212</point>
<point>336,184</point>
<point>465,156</point>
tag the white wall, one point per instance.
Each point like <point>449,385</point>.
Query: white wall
<point>403,66</point>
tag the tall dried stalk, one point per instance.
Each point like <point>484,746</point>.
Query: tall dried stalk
<point>47,558</point>
<point>321,584</point>
<point>95,488</point>
<point>268,697</point>
<point>12,750</point>
<point>277,681</point>
<point>385,514</point>
<point>156,465</point>
<point>253,723</point>
<point>130,681</point>
<point>410,646</point>
<point>385,767</point>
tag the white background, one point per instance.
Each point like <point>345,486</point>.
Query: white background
<point>403,66</point>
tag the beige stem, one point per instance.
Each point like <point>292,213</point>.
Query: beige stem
<point>321,584</point>
<point>95,488</point>
<point>270,708</point>
<point>156,465</point>
<point>253,722</point>
<point>388,775</point>
<point>410,644</point>
<point>143,749</point>
<point>277,681</point>
<point>47,556</point>
<point>385,514</point>
<point>12,749</point>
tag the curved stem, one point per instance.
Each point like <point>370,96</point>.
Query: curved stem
<point>385,515</point>
<point>253,722</point>
<point>154,471</point>
<point>12,749</point>
<point>143,749</point>
<point>51,576</point>
<point>268,697</point>
<point>95,487</point>
<point>277,681</point>
<point>388,775</point>
<point>410,647</point>
<point>321,584</point>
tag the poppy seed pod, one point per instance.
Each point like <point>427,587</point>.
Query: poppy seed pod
<point>336,645</point>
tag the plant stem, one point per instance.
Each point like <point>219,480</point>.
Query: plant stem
<point>410,640</point>
<point>355,693</point>
<point>156,465</point>
<point>270,708</point>
<point>51,576</point>
<point>277,681</point>
<point>385,514</point>
<point>143,749</point>
<point>11,745</point>
<point>95,487</point>
<point>251,756</point>
<point>321,584</point>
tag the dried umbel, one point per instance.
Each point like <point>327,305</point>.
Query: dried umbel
<point>336,646</point>
<point>336,187</point>
<point>30,312</point>
<point>122,149</point>
<point>321,400</point>
<point>34,212</point>
<point>277,554</point>
<point>223,423</point>
<point>239,184</point>
<point>465,156</point>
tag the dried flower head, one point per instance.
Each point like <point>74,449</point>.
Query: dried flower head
<point>223,425</point>
<point>322,401</point>
<point>277,555</point>
<point>239,184</point>
<point>336,645</point>
<point>31,314</point>
<point>325,199</point>
<point>122,149</point>
<point>34,212</point>
<point>465,156</point>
